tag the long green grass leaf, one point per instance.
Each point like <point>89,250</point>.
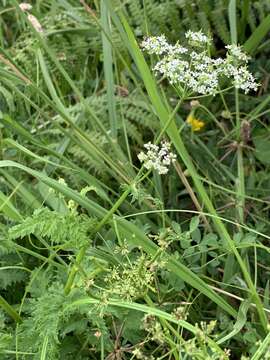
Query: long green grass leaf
<point>8,208</point>
<point>232,20</point>
<point>264,346</point>
<point>257,36</point>
<point>240,323</point>
<point>108,68</point>
<point>9,309</point>
<point>145,309</point>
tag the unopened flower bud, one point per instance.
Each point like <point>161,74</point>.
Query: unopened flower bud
<point>35,23</point>
<point>194,103</point>
<point>226,114</point>
<point>25,7</point>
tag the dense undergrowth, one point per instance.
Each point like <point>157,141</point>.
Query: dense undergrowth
<point>106,251</point>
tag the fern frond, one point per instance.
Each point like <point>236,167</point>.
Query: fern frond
<point>59,228</point>
<point>9,276</point>
<point>48,319</point>
<point>6,245</point>
<point>219,20</point>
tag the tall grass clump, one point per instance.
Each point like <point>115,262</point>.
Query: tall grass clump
<point>134,179</point>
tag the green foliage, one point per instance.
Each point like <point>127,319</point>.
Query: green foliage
<point>158,17</point>
<point>71,228</point>
<point>10,273</point>
<point>99,258</point>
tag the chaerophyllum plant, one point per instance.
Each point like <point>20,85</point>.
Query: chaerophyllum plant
<point>192,70</point>
<point>194,73</point>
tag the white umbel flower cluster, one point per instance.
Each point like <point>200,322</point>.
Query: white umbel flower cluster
<point>237,53</point>
<point>242,78</point>
<point>193,70</point>
<point>158,45</point>
<point>197,38</point>
<point>155,45</point>
<point>157,157</point>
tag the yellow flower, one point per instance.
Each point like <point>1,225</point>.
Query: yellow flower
<point>196,124</point>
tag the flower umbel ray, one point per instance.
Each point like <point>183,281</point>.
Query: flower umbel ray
<point>196,124</point>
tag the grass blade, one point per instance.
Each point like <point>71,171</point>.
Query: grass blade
<point>9,309</point>
<point>8,208</point>
<point>241,320</point>
<point>232,20</point>
<point>108,68</point>
<point>145,309</point>
<point>257,36</point>
<point>264,346</point>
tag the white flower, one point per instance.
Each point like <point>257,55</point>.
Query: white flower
<point>155,45</point>
<point>197,38</point>
<point>201,77</point>
<point>157,158</point>
<point>172,68</point>
<point>242,78</point>
<point>158,45</point>
<point>176,49</point>
<point>204,82</point>
<point>25,6</point>
<point>193,70</point>
<point>237,53</point>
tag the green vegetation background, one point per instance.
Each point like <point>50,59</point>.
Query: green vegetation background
<point>94,265</point>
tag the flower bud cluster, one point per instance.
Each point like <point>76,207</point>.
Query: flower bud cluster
<point>197,38</point>
<point>130,280</point>
<point>192,69</point>
<point>25,7</point>
<point>158,45</point>
<point>157,157</point>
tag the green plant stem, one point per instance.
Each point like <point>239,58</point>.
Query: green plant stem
<point>240,181</point>
<point>214,118</point>
<point>9,309</point>
<point>170,119</point>
<point>230,266</point>
<point>240,185</point>
<point>192,195</point>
